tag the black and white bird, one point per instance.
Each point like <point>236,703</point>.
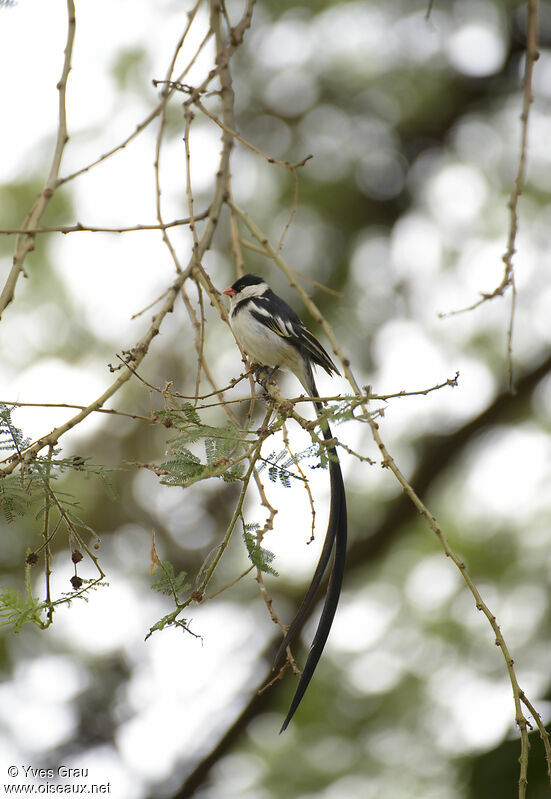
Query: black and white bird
<point>272,335</point>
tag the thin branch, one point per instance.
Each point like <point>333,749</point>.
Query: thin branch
<point>361,399</point>
<point>162,124</point>
<point>388,462</point>
<point>80,228</point>
<point>46,539</point>
<point>228,585</point>
<point>510,329</point>
<point>305,483</point>
<point>532,56</point>
<point>268,601</point>
<point>189,191</point>
<point>237,136</point>
<point>25,241</point>
<point>543,732</point>
<point>294,207</point>
<point>508,279</point>
<point>198,340</point>
<point>18,404</point>
<point>172,66</point>
<point>148,306</point>
<point>137,130</point>
<point>353,401</point>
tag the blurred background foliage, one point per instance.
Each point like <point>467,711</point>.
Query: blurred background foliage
<point>413,122</point>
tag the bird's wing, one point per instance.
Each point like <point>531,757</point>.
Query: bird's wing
<point>318,353</point>
<point>285,323</point>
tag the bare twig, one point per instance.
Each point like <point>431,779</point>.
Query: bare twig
<point>388,462</point>
<point>304,480</point>
<point>162,123</point>
<point>508,279</point>
<point>361,399</point>
<point>18,404</point>
<point>532,55</point>
<point>25,241</point>
<point>141,126</point>
<point>80,228</point>
<point>294,205</point>
<point>228,585</point>
<point>235,135</point>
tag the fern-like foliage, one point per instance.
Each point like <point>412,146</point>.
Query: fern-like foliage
<point>183,468</point>
<point>259,557</point>
<point>169,583</point>
<point>170,620</point>
<point>11,438</point>
<point>278,471</point>
<point>16,609</point>
<point>173,585</point>
<point>85,467</point>
<point>19,492</point>
<point>32,491</point>
<point>15,498</point>
<point>222,445</point>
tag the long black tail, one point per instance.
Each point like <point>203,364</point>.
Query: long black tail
<point>335,539</point>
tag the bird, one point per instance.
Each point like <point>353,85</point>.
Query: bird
<point>272,335</point>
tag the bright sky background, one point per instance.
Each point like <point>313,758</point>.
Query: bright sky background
<point>99,271</point>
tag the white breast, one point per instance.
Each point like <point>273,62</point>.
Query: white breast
<point>261,344</point>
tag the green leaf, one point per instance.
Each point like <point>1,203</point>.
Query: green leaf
<point>170,621</point>
<point>284,479</point>
<point>17,610</point>
<point>221,443</point>
<point>233,474</point>
<point>14,498</point>
<point>169,583</point>
<point>259,557</point>
<point>184,466</point>
<point>11,437</point>
<point>210,450</point>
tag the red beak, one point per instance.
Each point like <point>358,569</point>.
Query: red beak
<point>229,292</point>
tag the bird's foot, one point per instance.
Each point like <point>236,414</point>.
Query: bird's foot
<point>263,374</point>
